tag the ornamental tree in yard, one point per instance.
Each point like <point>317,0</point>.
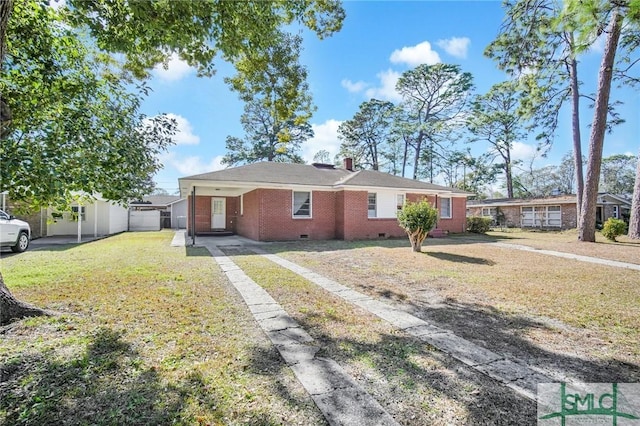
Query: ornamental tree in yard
<point>417,219</point>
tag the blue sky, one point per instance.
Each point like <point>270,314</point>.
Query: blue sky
<point>379,41</point>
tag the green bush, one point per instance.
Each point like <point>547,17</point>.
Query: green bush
<point>478,225</point>
<point>613,228</point>
<point>417,219</point>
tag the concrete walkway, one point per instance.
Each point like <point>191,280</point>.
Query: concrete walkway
<point>337,395</point>
<point>571,256</point>
<point>513,374</point>
<point>340,399</point>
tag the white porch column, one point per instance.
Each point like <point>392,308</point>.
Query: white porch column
<point>95,219</point>
<point>79,217</point>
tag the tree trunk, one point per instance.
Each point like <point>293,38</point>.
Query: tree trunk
<point>11,308</point>
<point>575,124</point>
<point>634,220</point>
<point>416,161</point>
<point>587,218</point>
<point>508,171</point>
<point>6,6</point>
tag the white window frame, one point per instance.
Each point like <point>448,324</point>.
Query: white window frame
<point>293,205</point>
<point>616,211</point>
<point>401,200</point>
<point>74,214</point>
<point>372,214</point>
<point>450,204</point>
<point>241,204</point>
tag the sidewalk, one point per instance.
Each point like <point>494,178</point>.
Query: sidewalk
<point>338,396</point>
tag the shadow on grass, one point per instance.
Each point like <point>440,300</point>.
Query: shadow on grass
<point>506,334</point>
<point>104,385</point>
<point>197,251</point>
<point>420,392</point>
<point>457,258</point>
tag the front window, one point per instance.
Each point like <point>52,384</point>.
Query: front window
<point>400,199</point>
<point>74,214</point>
<point>445,208</point>
<point>372,202</point>
<point>489,212</point>
<point>616,212</point>
<point>301,204</point>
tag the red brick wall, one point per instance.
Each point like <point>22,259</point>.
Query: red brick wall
<point>267,216</point>
<point>277,223</point>
<point>357,224</point>
<point>203,213</point>
<point>340,215</point>
<point>248,224</point>
<point>232,212</point>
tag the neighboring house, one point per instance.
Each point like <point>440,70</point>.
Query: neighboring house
<point>170,211</point>
<point>556,212</point>
<point>271,201</point>
<point>97,218</point>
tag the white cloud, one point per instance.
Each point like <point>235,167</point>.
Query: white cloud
<point>387,90</point>
<point>352,87</point>
<point>415,55</point>
<point>175,69</point>
<point>455,46</point>
<point>597,46</point>
<point>325,138</point>
<point>523,151</point>
<point>191,165</point>
<point>184,134</point>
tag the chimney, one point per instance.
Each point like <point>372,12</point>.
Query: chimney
<point>348,164</point>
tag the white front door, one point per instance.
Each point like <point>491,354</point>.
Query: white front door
<point>218,213</point>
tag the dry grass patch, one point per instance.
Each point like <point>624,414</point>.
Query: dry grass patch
<point>149,335</point>
<point>624,250</point>
<point>414,382</point>
<point>522,304</point>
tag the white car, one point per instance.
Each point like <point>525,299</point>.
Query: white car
<point>14,233</point>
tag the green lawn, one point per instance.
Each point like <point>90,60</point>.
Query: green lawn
<point>149,334</point>
<point>152,334</point>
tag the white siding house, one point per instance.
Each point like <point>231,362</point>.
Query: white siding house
<point>98,218</point>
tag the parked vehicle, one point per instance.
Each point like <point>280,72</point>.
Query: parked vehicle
<point>14,233</point>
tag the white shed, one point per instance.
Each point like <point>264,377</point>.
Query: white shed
<point>98,218</point>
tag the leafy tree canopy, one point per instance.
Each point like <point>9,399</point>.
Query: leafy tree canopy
<point>263,141</point>
<point>149,31</point>
<point>367,133</point>
<point>76,127</point>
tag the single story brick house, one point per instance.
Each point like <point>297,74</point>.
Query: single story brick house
<point>270,201</point>
<point>555,212</point>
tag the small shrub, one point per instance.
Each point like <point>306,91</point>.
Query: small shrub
<point>417,219</point>
<point>478,225</point>
<point>613,228</point>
